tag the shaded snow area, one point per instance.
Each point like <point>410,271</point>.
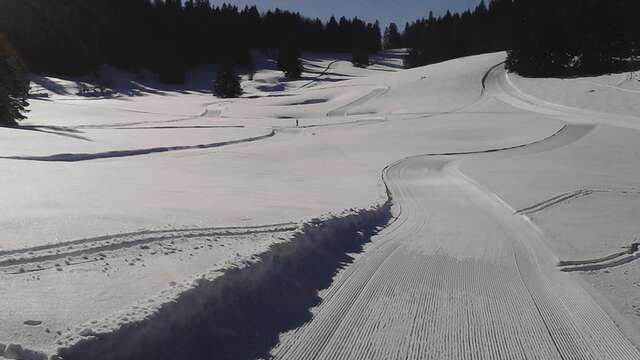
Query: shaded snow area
<point>451,211</point>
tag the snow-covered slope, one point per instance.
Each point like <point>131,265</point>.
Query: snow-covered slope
<point>177,184</point>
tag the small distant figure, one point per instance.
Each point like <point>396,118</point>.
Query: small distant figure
<point>296,122</point>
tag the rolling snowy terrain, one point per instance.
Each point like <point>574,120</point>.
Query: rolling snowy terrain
<point>514,209</point>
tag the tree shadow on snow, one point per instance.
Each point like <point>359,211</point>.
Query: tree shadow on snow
<point>54,130</point>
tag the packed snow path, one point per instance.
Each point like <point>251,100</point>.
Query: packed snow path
<point>478,285</point>
<point>459,275</point>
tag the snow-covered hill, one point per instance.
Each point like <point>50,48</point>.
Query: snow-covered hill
<point>113,206</point>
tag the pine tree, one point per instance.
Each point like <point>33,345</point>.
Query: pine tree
<point>227,82</point>
<point>392,38</point>
<point>412,59</point>
<point>251,68</point>
<point>75,37</point>
<point>14,85</point>
<point>289,60</point>
<point>360,57</point>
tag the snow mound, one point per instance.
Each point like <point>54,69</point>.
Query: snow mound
<point>241,313</point>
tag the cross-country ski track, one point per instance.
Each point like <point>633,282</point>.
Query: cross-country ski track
<point>459,275</point>
<point>449,269</point>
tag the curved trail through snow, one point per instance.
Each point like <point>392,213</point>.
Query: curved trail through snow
<point>73,157</point>
<point>458,275</point>
<point>498,84</point>
<point>480,284</point>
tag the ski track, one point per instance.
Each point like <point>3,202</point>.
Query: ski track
<point>500,86</point>
<point>572,195</point>
<point>600,264</point>
<point>95,249</point>
<point>433,288</point>
<point>343,110</point>
<point>73,157</point>
<point>342,123</point>
<point>458,274</point>
<point>205,113</point>
<point>478,285</point>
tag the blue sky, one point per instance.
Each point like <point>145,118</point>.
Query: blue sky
<point>399,11</point>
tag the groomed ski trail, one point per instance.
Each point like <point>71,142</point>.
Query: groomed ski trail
<point>458,275</point>
<point>480,285</point>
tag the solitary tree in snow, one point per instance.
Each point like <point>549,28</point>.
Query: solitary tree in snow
<point>14,85</point>
<point>227,82</point>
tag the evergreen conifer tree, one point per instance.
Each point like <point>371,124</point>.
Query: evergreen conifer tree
<point>392,38</point>
<point>14,85</point>
<point>360,58</point>
<point>289,60</point>
<point>227,82</point>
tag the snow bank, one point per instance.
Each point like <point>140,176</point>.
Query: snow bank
<point>240,314</point>
<point>16,351</point>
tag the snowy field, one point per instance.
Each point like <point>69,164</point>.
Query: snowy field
<point>515,205</point>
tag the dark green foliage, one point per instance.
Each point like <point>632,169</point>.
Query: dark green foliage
<point>14,85</point>
<point>413,58</point>
<point>573,37</point>
<point>171,73</point>
<point>289,59</point>
<point>481,30</point>
<point>227,82</point>
<point>362,44</point>
<point>73,37</point>
<point>250,68</point>
<point>392,38</point>
<point>360,57</point>
<point>543,37</point>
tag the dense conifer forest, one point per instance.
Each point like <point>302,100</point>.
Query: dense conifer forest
<point>544,37</point>
<point>72,37</point>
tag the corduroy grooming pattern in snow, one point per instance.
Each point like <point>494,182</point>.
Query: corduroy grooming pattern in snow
<point>240,314</point>
<point>477,285</point>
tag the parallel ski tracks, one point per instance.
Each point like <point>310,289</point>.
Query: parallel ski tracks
<point>427,290</point>
<point>458,275</point>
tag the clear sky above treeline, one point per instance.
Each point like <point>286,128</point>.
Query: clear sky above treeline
<point>398,11</point>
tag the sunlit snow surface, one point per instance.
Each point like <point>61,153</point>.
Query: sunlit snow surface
<point>113,206</point>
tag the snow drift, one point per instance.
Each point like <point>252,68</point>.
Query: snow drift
<point>241,314</point>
